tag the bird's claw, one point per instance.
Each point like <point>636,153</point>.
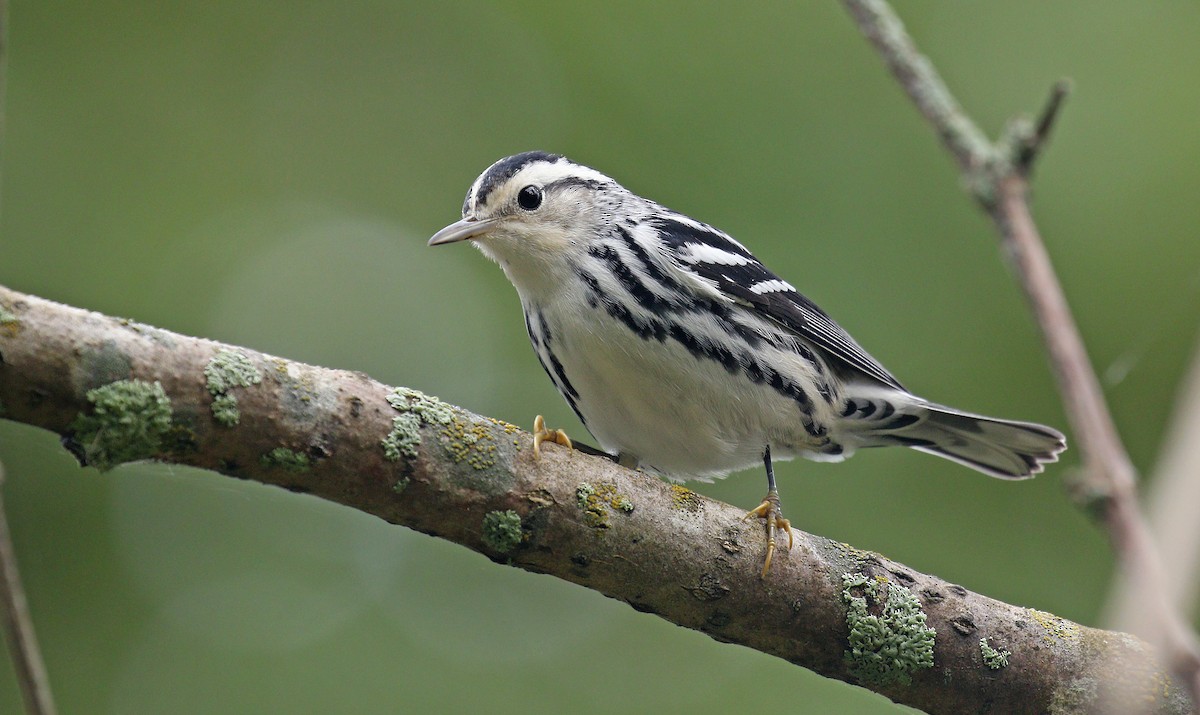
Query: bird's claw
<point>542,434</point>
<point>770,512</point>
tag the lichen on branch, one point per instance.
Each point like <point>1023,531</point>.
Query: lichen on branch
<point>132,392</point>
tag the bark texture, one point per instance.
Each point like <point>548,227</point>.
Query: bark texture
<point>412,460</point>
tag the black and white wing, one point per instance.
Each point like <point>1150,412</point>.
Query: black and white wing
<point>720,261</point>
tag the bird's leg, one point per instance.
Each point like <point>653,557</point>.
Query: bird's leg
<point>770,512</point>
<point>542,434</point>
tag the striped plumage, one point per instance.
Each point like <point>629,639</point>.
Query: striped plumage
<point>682,353</point>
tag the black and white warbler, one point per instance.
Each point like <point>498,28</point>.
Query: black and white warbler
<point>682,354</point>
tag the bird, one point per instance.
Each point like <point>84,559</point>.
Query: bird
<point>684,356</point>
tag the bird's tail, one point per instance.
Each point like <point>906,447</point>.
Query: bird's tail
<point>1000,448</point>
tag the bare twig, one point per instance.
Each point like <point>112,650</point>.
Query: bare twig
<point>1174,494</point>
<point>1176,491</point>
<point>119,391</point>
<point>18,627</point>
<point>1109,481</point>
<point>1027,153</point>
<point>997,175</point>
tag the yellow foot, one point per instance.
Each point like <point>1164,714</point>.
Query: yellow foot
<point>769,512</point>
<point>541,434</point>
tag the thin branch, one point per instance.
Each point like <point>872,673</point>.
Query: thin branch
<point>1176,490</point>
<point>1109,481</point>
<point>1174,494</point>
<point>18,627</point>
<point>1032,146</point>
<point>118,391</point>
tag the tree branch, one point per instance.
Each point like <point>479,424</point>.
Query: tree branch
<point>1176,490</point>
<point>18,627</point>
<point>1172,513</point>
<point>118,391</point>
<point>998,175</point>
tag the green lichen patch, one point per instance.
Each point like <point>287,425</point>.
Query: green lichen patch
<point>128,421</point>
<point>286,459</point>
<point>464,438</point>
<point>226,370</point>
<point>889,640</point>
<point>583,493</point>
<point>225,410</point>
<point>596,501</point>
<point>403,439</point>
<point>594,513</point>
<point>502,530</point>
<point>1056,628</point>
<point>685,499</point>
<point>992,658</point>
<point>431,410</point>
<point>400,485</point>
<point>229,369</point>
<point>416,409</point>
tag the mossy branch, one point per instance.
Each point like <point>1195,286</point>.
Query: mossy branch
<point>117,390</point>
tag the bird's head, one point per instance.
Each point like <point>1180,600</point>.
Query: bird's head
<point>532,212</point>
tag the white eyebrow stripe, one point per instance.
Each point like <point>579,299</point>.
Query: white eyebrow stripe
<point>543,172</point>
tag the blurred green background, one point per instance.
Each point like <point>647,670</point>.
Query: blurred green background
<point>267,173</point>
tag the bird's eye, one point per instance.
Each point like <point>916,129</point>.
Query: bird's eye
<point>529,198</point>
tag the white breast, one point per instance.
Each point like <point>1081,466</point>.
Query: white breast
<point>680,414</point>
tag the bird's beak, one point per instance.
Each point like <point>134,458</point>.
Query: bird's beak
<point>462,230</point>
